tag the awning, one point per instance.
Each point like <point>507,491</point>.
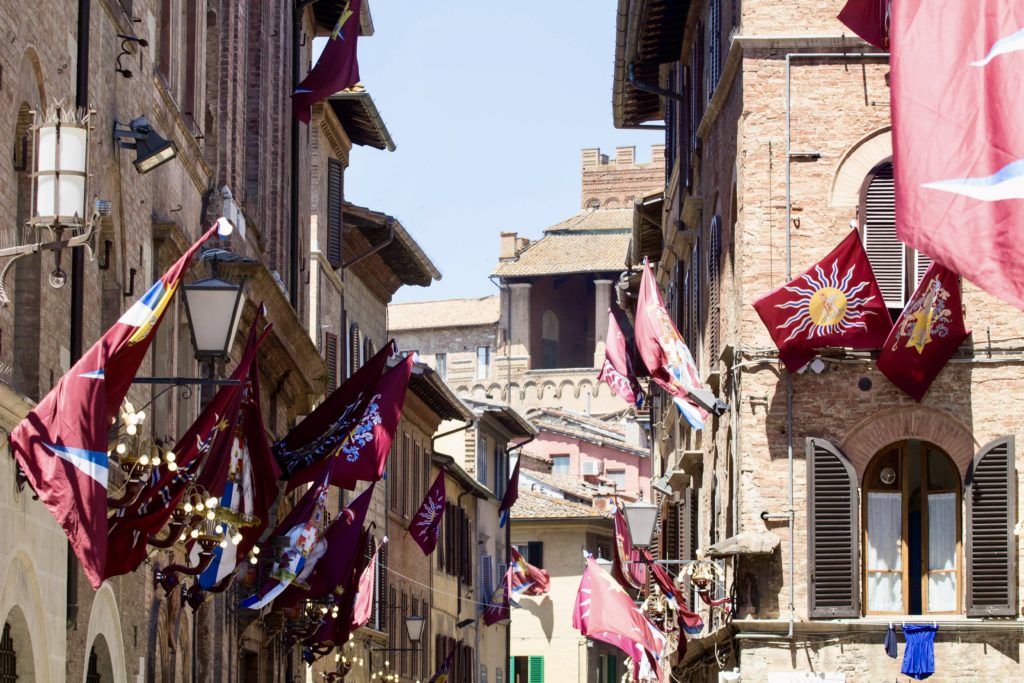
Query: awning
<point>360,119</point>
<point>745,543</point>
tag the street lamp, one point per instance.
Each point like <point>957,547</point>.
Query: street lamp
<point>61,146</point>
<point>214,309</point>
<point>151,148</point>
<point>414,627</point>
<point>641,518</point>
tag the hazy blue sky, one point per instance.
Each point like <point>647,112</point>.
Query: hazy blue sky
<point>489,104</point>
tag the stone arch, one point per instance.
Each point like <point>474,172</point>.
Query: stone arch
<point>592,203</point>
<point>872,434</point>
<point>855,165</point>
<point>104,633</point>
<point>494,390</point>
<point>547,390</point>
<point>531,387</point>
<point>21,605</point>
<point>586,385</point>
<point>479,392</point>
<point>570,386</point>
<point>612,203</point>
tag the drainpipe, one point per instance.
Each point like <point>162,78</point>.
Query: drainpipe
<point>789,514</point>
<point>78,277</point>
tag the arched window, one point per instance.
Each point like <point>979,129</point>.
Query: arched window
<point>911,521</point>
<point>549,340</point>
<point>8,657</point>
<point>897,267</point>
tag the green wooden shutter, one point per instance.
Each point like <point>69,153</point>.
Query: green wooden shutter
<point>991,545</point>
<point>832,536</point>
<point>612,669</point>
<point>536,670</point>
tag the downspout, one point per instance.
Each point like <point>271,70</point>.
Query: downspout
<point>78,279</point>
<point>789,515</point>
<point>390,222</point>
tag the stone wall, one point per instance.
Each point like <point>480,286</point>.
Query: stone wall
<point>615,183</point>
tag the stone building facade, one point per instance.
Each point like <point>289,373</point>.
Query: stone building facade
<point>214,78</point>
<point>777,133</point>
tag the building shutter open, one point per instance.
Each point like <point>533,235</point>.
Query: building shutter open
<point>331,358</point>
<point>991,545</point>
<point>536,670</point>
<point>832,537</point>
<point>335,196</point>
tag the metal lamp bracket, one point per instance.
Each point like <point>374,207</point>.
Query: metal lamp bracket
<point>87,239</point>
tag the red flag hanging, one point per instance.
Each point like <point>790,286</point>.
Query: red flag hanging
<point>617,371</point>
<point>498,608</point>
<point>603,611</point>
<point>426,523</point>
<point>627,565</point>
<point>834,303</point>
<point>958,146</point>
<point>61,445</point>
<point>511,494</point>
<point>350,432</point>
<point>664,352</point>
<point>338,66</point>
<point>333,555</point>
<point>927,334</point>
<point>363,609</point>
<point>869,19</point>
<point>218,435</point>
<point>527,579</point>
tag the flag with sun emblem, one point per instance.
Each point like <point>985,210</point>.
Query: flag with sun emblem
<point>835,303</point>
<point>929,331</point>
<point>426,523</point>
<point>958,144</point>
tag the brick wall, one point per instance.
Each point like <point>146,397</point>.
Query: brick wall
<point>613,183</point>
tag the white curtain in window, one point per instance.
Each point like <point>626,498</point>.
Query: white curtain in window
<point>884,561</point>
<point>942,511</point>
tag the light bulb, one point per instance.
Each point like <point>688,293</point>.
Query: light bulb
<point>237,538</point>
<point>211,502</point>
<point>200,507</point>
<point>223,544</point>
<point>386,663</point>
<point>156,461</point>
<point>141,416</point>
<point>255,550</point>
<point>337,657</point>
<point>194,533</point>
<point>182,537</point>
<point>131,429</point>
<point>211,516</point>
<point>172,467</point>
<point>121,449</point>
<point>323,610</point>
<point>360,661</point>
<point>143,459</point>
<point>253,560</point>
<point>131,418</point>
<point>218,529</point>
<point>188,507</point>
<point>170,456</point>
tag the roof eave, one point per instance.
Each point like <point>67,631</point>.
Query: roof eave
<point>383,139</point>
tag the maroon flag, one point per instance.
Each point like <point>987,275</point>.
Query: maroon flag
<point>61,445</point>
<point>958,143</point>
<point>605,612</point>
<point>834,303</point>
<point>927,334</point>
<point>333,556</point>
<point>664,352</point>
<point>426,523</point>
<point>869,19</point>
<point>341,421</point>
<point>527,579</point>
<point>337,69</point>
<point>218,435</point>
<point>627,564</point>
<point>498,608</point>
<point>511,494</point>
<point>617,371</point>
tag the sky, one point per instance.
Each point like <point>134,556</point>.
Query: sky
<point>489,104</point>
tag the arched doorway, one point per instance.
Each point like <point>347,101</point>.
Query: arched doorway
<point>16,657</point>
<point>911,522</point>
<point>99,668</point>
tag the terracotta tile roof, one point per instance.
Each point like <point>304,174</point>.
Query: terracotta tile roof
<point>596,219</point>
<point>536,506</point>
<point>570,252</point>
<point>423,315</point>
<point>571,485</point>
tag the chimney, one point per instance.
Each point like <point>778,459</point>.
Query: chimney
<point>624,156</point>
<point>508,251</point>
<point>590,157</point>
<point>521,243</point>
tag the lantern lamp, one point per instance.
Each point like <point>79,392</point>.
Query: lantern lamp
<point>61,158</point>
<point>214,309</point>
<point>641,519</point>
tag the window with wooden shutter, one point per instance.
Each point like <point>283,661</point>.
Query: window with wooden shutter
<point>381,616</point>
<point>393,475</point>
<point>354,341</point>
<point>335,197</point>
<point>832,533</point>
<point>714,45</point>
<point>991,545</point>
<point>714,284</point>
<point>468,545</point>
<point>536,674</point>
<point>672,532</point>
<point>369,349</point>
<point>696,302</point>
<point>393,621</point>
<point>486,578</point>
<point>404,661</point>
<point>405,482</point>
<point>885,252</point>
<point>331,358</point>
<point>535,553</point>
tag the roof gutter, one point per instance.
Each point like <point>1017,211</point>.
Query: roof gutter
<point>390,222</point>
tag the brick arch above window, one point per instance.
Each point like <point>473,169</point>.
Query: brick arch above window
<point>875,433</point>
<point>856,164</point>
